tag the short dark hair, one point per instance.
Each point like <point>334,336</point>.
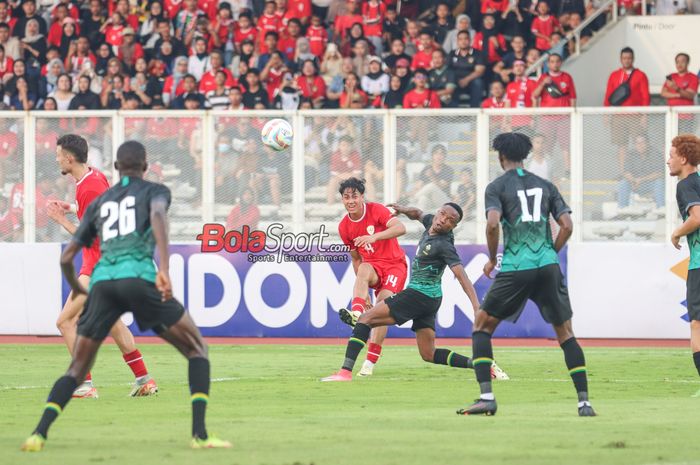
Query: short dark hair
<point>75,145</point>
<point>346,138</point>
<point>131,155</point>
<point>457,208</point>
<point>272,34</point>
<point>683,54</point>
<point>514,146</point>
<point>295,21</point>
<point>554,55</point>
<point>4,26</point>
<point>627,50</point>
<point>354,184</point>
<point>464,32</point>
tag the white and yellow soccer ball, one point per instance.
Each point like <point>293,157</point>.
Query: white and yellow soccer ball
<point>277,134</point>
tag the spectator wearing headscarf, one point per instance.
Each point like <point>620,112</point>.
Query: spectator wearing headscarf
<point>463,23</point>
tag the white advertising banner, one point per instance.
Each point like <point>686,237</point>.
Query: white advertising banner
<point>628,290</point>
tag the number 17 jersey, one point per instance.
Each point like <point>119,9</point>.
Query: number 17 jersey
<point>525,202</point>
<point>121,219</point>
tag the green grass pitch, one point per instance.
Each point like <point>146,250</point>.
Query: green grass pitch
<point>269,402</point>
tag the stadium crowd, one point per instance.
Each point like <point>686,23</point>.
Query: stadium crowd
<point>289,54</point>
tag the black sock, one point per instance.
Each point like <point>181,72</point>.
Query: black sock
<point>696,359</point>
<point>199,388</point>
<point>356,343</point>
<point>576,363</point>
<point>452,359</point>
<point>483,359</point>
<point>58,398</point>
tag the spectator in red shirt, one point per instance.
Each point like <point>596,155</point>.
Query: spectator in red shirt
<point>56,28</point>
<point>345,163</point>
<point>123,8</point>
<point>496,96</point>
<point>174,84</point>
<point>288,39</point>
<point>268,22</point>
<point>299,9</point>
<point>679,90</point>
<point>681,87</point>
<point>5,16</point>
<point>311,85</point>
<point>352,96</point>
<point>113,29</point>
<point>318,36</point>
<point>543,26</point>
<point>373,12</point>
<point>555,88</point>
<point>6,64</point>
<point>421,96</point>
<point>244,30</point>
<point>244,213</point>
<point>424,57</point>
<point>489,42</point>
<point>78,54</point>
<point>130,50</point>
<point>271,75</point>
<point>208,80</point>
<point>494,6</point>
<point>519,95</point>
<point>638,82</point>
<point>343,23</point>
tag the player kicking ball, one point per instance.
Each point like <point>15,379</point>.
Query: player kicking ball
<point>130,219</point>
<point>683,163</point>
<point>522,203</point>
<point>421,299</point>
<point>370,230</point>
<point>71,155</point>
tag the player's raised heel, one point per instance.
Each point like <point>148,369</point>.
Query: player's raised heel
<point>342,375</point>
<point>367,369</point>
<point>349,317</point>
<point>480,407</point>
<point>210,443</point>
<point>498,373</point>
<point>150,388</point>
<point>85,391</point>
<point>33,443</point>
<point>585,409</point>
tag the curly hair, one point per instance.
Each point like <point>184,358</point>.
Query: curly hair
<point>688,147</point>
<point>513,145</point>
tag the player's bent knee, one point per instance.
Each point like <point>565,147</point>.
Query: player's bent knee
<point>427,356</point>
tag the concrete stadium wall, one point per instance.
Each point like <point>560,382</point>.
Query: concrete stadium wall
<point>617,291</point>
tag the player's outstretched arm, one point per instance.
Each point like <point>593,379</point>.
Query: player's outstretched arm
<point>493,227</point>
<point>566,228</point>
<point>691,224</point>
<point>57,211</point>
<point>396,229</point>
<point>412,213</point>
<point>466,284</point>
<point>68,269</point>
<point>159,226</point>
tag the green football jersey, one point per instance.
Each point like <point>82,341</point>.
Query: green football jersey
<point>121,219</point>
<point>525,202</point>
<point>688,195</point>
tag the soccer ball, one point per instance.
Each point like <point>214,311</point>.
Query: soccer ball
<point>277,134</point>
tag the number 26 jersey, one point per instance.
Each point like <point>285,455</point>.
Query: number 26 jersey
<point>121,219</point>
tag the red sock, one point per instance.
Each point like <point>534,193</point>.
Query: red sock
<point>373,352</point>
<point>135,362</point>
<point>358,303</point>
<point>88,377</point>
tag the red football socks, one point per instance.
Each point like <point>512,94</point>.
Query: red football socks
<point>88,377</point>
<point>373,352</point>
<point>358,303</point>
<point>135,362</point>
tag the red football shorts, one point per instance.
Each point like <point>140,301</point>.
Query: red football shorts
<point>392,276</point>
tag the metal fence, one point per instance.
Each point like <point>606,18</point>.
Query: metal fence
<point>608,164</point>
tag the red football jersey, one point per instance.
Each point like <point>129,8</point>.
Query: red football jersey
<point>318,38</point>
<point>545,26</point>
<point>87,189</point>
<point>688,81</point>
<point>373,17</point>
<point>565,83</point>
<point>208,81</point>
<point>519,95</point>
<point>422,59</point>
<point>375,218</point>
<point>239,35</point>
<point>491,102</point>
<point>426,99</point>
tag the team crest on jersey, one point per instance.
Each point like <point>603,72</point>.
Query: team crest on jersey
<point>370,229</point>
<point>426,250</point>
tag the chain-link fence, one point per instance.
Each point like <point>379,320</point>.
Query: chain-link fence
<point>174,148</point>
<point>611,165</point>
<point>624,176</point>
<point>335,148</point>
<point>436,163</point>
<point>252,183</point>
<point>11,179</point>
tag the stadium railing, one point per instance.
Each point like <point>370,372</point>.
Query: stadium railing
<point>211,160</point>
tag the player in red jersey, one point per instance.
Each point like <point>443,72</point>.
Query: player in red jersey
<point>71,155</point>
<point>370,230</point>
